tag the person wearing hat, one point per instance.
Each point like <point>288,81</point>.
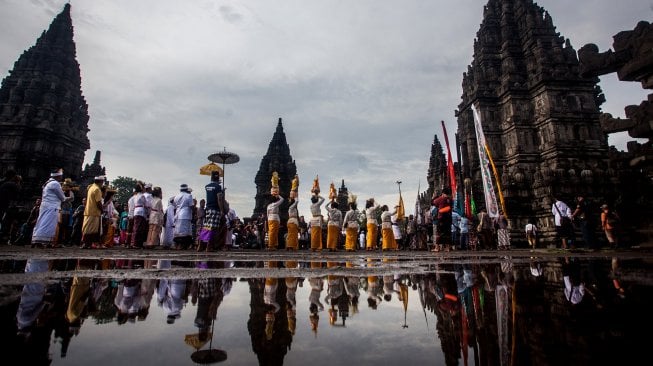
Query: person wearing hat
<point>183,202</point>
<point>92,225</point>
<point>45,230</point>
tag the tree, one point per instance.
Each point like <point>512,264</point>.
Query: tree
<point>124,187</point>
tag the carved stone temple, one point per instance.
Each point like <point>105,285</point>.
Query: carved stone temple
<point>540,117</point>
<point>43,114</point>
<point>277,159</point>
<point>631,60</point>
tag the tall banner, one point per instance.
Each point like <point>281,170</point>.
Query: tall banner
<point>491,204</point>
<point>418,208</point>
<point>401,210</point>
<point>450,168</point>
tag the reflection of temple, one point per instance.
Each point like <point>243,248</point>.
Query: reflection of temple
<point>539,116</point>
<point>43,114</point>
<point>264,321</point>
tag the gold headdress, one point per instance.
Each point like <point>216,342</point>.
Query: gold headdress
<point>332,192</point>
<point>352,198</point>
<point>316,185</point>
<point>294,186</point>
<point>275,184</point>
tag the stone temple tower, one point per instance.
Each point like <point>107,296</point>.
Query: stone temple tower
<point>277,159</point>
<point>43,114</point>
<point>540,117</point>
<point>436,176</point>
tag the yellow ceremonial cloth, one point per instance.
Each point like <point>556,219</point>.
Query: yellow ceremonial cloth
<point>108,236</point>
<point>292,241</point>
<point>388,239</point>
<point>91,225</point>
<point>333,232</point>
<point>93,196</point>
<point>350,238</point>
<point>372,232</point>
<point>316,237</point>
<point>273,234</point>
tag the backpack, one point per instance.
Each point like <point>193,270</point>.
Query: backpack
<point>612,219</point>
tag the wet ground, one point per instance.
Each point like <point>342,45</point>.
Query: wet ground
<point>68,306</point>
<point>239,263</point>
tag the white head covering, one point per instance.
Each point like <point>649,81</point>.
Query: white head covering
<point>58,173</point>
<point>183,187</point>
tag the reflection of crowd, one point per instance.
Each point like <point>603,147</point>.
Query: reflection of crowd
<point>477,305</point>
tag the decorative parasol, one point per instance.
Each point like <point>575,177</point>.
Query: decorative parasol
<point>211,167</point>
<point>224,157</point>
<point>204,356</point>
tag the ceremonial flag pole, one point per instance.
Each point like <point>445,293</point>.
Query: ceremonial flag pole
<point>496,179</point>
<point>418,208</point>
<point>401,211</point>
<point>450,167</point>
<point>488,188</point>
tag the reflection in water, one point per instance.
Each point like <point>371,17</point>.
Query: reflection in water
<point>566,311</point>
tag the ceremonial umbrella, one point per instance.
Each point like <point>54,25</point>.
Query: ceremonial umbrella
<point>211,167</point>
<point>224,157</point>
<point>204,356</point>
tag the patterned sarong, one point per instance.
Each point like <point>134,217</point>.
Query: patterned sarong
<point>211,225</point>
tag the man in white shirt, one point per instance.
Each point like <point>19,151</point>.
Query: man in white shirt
<point>562,219</point>
<point>183,231</point>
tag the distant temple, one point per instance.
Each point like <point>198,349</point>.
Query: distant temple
<point>539,115</point>
<point>89,173</point>
<point>277,159</point>
<point>43,114</point>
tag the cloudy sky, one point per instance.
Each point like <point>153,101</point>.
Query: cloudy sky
<point>361,85</point>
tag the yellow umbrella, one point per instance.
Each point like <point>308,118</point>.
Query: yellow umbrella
<point>194,341</point>
<point>211,167</point>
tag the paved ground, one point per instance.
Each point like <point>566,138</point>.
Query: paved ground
<point>124,263</point>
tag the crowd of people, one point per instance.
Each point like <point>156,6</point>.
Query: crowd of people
<point>144,223</point>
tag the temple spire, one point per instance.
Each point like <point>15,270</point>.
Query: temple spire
<point>43,113</point>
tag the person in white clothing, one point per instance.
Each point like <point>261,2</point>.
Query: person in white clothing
<point>183,231</point>
<point>531,233</point>
<point>562,219</point>
<point>45,229</point>
<point>168,234</point>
